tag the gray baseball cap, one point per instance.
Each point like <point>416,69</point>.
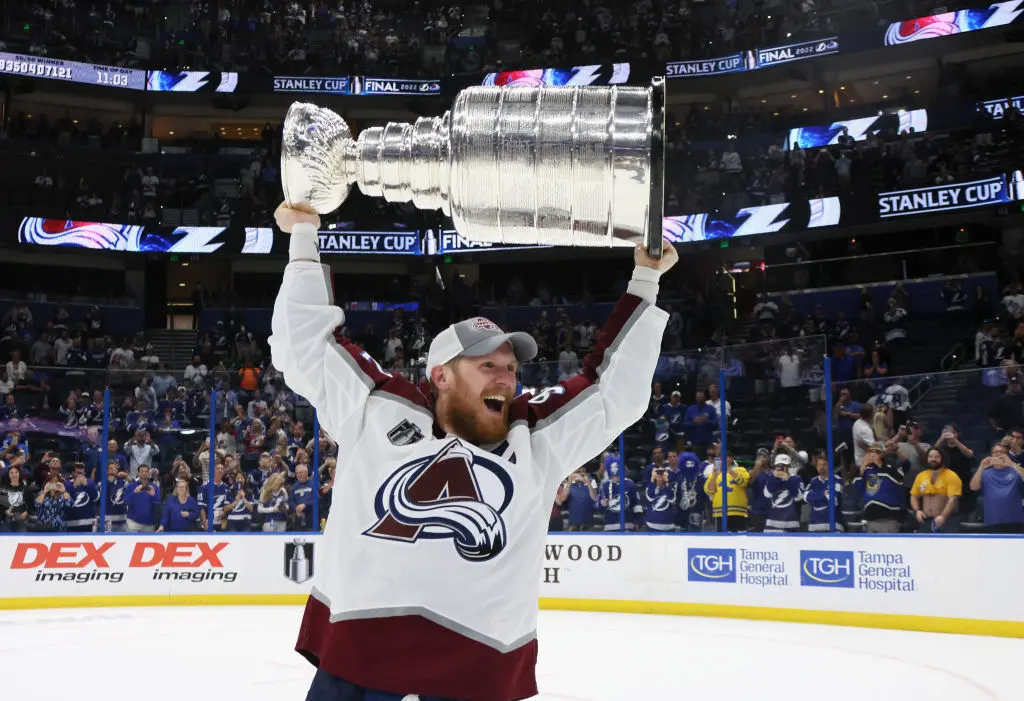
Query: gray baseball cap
<point>475,337</point>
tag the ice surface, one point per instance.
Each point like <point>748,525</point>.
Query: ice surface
<point>185,654</point>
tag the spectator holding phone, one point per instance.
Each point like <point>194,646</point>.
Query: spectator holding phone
<point>181,511</point>
<point>882,485</point>
<point>614,503</point>
<point>82,494</point>
<point>662,498</point>
<point>1001,483</point>
<point>142,499</point>
<point>735,483</point>
<point>220,499</point>
<point>935,495</point>
<point>578,494</point>
<point>817,497</point>
<point>117,501</point>
<point>783,492</point>
<point>52,506</point>
<point>141,450</point>
<point>960,459</point>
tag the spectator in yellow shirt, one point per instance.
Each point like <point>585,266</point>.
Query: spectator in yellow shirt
<point>736,486</point>
<point>935,495</point>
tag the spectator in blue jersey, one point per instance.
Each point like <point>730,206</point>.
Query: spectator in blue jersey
<point>657,460</point>
<point>52,506</point>
<point>783,492</point>
<point>117,502</point>
<point>578,495</point>
<point>220,499</point>
<point>1001,483</point>
<point>817,497</point>
<point>142,499</point>
<point>662,432</point>
<point>303,495</point>
<point>83,497</point>
<point>661,496</point>
<point>700,422</point>
<point>240,506</point>
<point>181,511</point>
<point>883,499</point>
<point>617,497</point>
<point>114,453</point>
<point>674,412</point>
<point>690,476</point>
<point>273,504</point>
<point>258,476</point>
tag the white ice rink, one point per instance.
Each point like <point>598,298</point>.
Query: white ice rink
<point>186,654</point>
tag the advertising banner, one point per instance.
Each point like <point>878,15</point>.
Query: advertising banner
<point>607,74</point>
<point>450,241</point>
<point>404,243</point>
<point>997,14</point>
<point>132,238</point>
<point>72,71</point>
<point>998,189</point>
<point>860,129</point>
<point>155,564</point>
<point>860,575</point>
<point>777,55</point>
<point>750,221</point>
<point>999,106</point>
<point>191,81</point>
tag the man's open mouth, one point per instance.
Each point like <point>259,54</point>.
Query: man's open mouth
<point>495,403</point>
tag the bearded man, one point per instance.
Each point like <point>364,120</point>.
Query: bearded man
<point>428,586</point>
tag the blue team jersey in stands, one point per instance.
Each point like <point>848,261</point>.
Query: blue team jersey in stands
<point>239,514</point>
<point>117,505</point>
<point>816,497</point>
<point>884,496</point>
<point>783,496</point>
<point>220,498</point>
<point>674,414</point>
<point>662,506</point>
<point>758,501</point>
<point>691,481</point>
<point>81,505</point>
<point>610,501</point>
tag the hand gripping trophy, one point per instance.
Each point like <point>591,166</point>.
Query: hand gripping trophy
<point>567,166</point>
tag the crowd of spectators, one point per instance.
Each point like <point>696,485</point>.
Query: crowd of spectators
<point>157,469</point>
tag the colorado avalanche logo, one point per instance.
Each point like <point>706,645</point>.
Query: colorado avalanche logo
<point>482,323</point>
<point>448,495</point>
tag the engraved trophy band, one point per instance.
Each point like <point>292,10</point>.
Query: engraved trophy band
<point>566,166</point>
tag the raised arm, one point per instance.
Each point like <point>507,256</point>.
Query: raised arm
<point>575,420</point>
<point>335,377</point>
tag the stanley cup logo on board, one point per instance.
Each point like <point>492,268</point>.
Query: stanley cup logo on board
<point>298,560</point>
<point>570,166</point>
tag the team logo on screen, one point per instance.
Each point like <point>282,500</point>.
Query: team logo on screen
<point>454,494</point>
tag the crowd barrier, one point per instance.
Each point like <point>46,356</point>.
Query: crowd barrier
<point>943,584</point>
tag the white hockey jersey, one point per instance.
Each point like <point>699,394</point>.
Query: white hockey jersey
<point>435,546</point>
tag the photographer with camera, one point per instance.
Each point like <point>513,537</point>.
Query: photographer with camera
<point>1001,482</point>
<point>912,450</point>
<point>935,495</point>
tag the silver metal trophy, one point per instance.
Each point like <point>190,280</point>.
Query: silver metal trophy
<point>569,166</point>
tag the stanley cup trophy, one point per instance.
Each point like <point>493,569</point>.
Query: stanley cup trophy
<point>564,166</point>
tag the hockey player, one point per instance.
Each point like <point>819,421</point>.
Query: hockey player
<point>430,580</point>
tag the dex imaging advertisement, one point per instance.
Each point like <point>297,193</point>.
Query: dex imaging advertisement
<point>860,129</point>
<point>999,189</point>
<point>750,221</point>
<point>998,14</point>
<point>608,74</point>
<point>72,71</point>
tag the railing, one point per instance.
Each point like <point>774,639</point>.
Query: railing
<point>796,459</point>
